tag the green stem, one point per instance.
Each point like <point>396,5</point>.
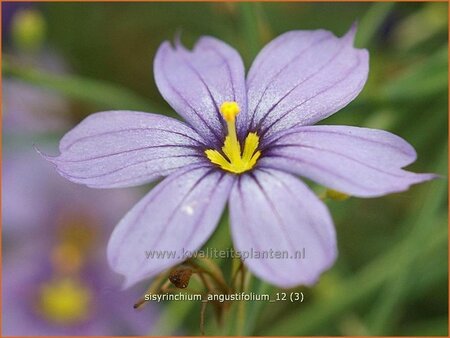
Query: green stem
<point>254,308</point>
<point>173,314</point>
<point>211,269</point>
<point>241,315</point>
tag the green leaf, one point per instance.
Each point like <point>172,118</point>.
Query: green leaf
<point>250,23</point>
<point>101,94</point>
<point>424,80</point>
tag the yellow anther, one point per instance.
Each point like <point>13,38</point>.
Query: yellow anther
<point>234,160</point>
<point>229,110</point>
<point>336,195</point>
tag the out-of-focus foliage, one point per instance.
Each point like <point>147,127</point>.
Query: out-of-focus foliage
<point>391,275</point>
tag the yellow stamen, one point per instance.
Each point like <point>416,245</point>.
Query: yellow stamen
<point>336,195</point>
<point>235,161</point>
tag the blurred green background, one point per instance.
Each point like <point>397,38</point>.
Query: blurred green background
<point>391,277</point>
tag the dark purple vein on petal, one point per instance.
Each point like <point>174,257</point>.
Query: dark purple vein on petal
<point>161,173</point>
<point>308,99</point>
<point>273,48</point>
<point>112,132</point>
<point>275,211</point>
<point>168,221</point>
<point>338,105</point>
<point>269,83</point>
<point>205,85</point>
<point>156,191</point>
<point>342,155</point>
<point>131,165</point>
<point>227,66</point>
<point>187,103</point>
<point>324,169</point>
<point>202,214</point>
<point>323,241</point>
<point>246,225</point>
<point>309,77</point>
<point>304,130</point>
<point>56,160</point>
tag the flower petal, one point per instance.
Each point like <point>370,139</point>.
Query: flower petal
<point>302,77</point>
<point>357,161</point>
<point>125,148</point>
<point>274,211</point>
<point>177,216</point>
<point>197,82</point>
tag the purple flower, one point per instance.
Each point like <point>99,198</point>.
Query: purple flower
<point>56,280</point>
<point>243,141</point>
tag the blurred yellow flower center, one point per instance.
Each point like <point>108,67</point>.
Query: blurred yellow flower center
<point>28,29</point>
<point>64,301</point>
<point>234,160</point>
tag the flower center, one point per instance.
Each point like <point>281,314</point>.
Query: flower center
<point>235,160</point>
<point>64,301</point>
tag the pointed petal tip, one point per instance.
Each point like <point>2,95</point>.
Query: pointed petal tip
<point>351,33</point>
<point>430,176</point>
<point>51,159</point>
<point>290,284</point>
<point>35,147</point>
<point>308,281</point>
<point>127,283</point>
<point>165,46</point>
<point>305,223</point>
<point>177,39</point>
<point>206,192</point>
<point>128,280</point>
<point>416,178</point>
<point>315,278</point>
